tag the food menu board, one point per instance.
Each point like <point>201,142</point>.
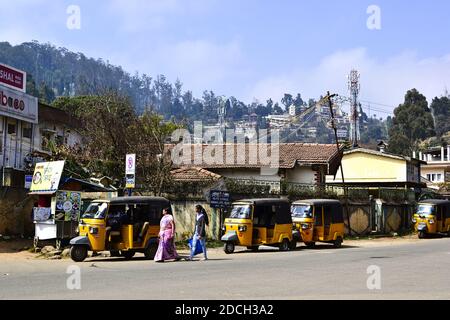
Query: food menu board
<point>68,205</point>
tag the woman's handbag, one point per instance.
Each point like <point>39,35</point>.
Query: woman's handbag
<point>198,247</point>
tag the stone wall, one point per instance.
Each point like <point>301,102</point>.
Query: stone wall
<point>184,214</point>
<point>15,211</point>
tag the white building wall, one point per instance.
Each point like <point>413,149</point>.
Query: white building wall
<point>304,175</point>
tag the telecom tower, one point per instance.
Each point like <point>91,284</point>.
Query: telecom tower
<point>354,87</point>
<point>222,112</point>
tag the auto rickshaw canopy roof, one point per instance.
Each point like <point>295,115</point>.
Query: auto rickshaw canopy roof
<point>318,202</point>
<point>139,200</point>
<point>435,202</point>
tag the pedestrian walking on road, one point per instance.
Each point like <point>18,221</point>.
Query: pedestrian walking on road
<point>166,247</point>
<point>200,232</point>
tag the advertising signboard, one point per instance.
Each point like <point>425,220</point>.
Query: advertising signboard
<point>18,105</point>
<point>46,176</point>
<point>13,78</point>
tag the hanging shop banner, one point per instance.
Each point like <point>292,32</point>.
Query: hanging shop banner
<point>68,206</point>
<point>46,176</point>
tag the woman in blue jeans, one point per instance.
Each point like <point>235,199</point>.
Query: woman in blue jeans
<point>200,232</point>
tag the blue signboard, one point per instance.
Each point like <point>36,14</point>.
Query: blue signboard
<point>219,199</point>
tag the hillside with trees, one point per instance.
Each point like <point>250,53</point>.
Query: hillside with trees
<point>59,73</point>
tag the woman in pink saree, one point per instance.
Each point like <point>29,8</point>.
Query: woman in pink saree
<point>166,247</point>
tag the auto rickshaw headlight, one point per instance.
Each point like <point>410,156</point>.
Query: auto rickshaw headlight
<point>93,230</point>
<point>305,226</point>
<point>414,220</point>
<point>242,228</point>
<point>431,221</point>
<point>224,228</point>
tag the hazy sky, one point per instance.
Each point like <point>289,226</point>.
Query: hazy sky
<point>254,48</point>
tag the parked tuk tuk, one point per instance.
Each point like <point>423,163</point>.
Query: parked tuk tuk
<point>257,222</point>
<point>432,217</point>
<point>123,226</point>
<point>318,221</point>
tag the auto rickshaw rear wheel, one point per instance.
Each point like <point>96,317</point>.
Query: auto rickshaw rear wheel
<point>338,242</point>
<point>78,253</point>
<point>229,247</point>
<point>128,255</point>
<point>150,252</point>
<point>285,245</point>
<point>421,235</point>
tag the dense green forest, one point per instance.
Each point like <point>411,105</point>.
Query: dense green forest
<point>54,72</point>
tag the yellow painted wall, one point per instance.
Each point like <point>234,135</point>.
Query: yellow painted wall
<point>363,167</point>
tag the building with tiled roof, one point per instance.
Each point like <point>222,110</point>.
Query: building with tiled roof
<point>291,162</point>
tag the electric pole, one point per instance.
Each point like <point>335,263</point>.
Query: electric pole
<point>333,124</point>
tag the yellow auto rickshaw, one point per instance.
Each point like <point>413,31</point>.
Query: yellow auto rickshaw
<point>257,222</point>
<point>318,221</point>
<point>122,226</point>
<point>432,217</point>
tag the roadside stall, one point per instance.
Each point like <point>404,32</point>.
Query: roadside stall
<point>60,202</point>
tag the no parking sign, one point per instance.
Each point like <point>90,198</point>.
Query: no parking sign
<point>130,171</point>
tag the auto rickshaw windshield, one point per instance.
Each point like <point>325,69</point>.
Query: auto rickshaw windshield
<point>301,211</point>
<point>426,209</point>
<point>240,212</point>
<point>95,211</point>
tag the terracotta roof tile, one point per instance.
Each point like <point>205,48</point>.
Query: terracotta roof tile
<point>248,155</point>
<point>194,174</point>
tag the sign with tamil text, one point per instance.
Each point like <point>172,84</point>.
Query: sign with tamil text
<point>13,78</point>
<point>219,199</point>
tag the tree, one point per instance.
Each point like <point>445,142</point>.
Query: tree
<point>441,111</point>
<point>153,165</point>
<point>298,101</point>
<point>287,100</point>
<point>105,122</point>
<point>277,109</point>
<point>412,123</point>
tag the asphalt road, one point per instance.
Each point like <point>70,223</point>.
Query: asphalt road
<point>408,271</point>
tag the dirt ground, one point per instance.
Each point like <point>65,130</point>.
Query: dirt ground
<point>19,249</point>
<point>16,249</point>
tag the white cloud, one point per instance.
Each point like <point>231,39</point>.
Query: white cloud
<point>382,81</point>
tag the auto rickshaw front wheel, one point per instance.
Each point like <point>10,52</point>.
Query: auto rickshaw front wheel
<point>78,253</point>
<point>285,245</point>
<point>338,242</point>
<point>229,248</point>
